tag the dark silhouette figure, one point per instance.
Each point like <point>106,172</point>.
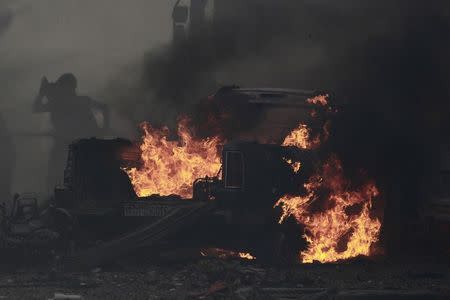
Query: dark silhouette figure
<point>7,159</point>
<point>72,117</point>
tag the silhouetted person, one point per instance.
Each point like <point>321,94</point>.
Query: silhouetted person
<point>72,117</point>
<point>7,159</point>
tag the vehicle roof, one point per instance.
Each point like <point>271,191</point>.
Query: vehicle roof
<point>274,96</point>
<point>293,92</point>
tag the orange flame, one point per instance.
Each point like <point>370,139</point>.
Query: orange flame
<point>319,100</point>
<point>335,232</point>
<point>245,255</point>
<point>301,138</point>
<point>295,165</point>
<point>171,167</point>
<point>225,254</point>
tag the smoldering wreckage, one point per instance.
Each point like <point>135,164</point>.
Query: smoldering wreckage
<point>250,175</point>
<point>256,199</point>
<point>275,193</point>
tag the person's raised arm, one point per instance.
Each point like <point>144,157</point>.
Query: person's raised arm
<point>38,104</point>
<point>104,109</point>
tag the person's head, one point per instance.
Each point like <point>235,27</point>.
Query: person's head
<point>67,82</point>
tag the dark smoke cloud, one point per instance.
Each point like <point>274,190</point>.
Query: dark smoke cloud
<point>397,120</point>
<point>389,61</point>
<point>264,42</point>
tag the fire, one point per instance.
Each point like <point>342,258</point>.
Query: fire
<point>336,215</point>
<point>295,165</point>
<point>245,255</point>
<point>225,254</point>
<point>337,218</point>
<point>171,167</point>
<point>301,138</point>
<point>319,100</point>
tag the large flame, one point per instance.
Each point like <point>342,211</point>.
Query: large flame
<point>171,167</point>
<point>341,227</point>
<point>336,217</point>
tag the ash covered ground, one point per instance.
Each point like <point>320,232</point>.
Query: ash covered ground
<point>210,278</point>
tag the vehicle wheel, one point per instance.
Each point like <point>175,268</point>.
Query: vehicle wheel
<point>280,248</point>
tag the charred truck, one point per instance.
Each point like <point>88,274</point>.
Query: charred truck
<point>96,216</point>
<point>233,210</point>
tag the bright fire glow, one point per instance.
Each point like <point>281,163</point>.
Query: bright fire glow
<point>301,138</point>
<point>340,227</point>
<point>295,165</point>
<point>319,100</point>
<point>336,217</point>
<point>171,167</point>
<point>246,256</point>
<point>225,254</point>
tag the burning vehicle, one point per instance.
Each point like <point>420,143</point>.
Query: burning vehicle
<point>216,189</point>
<point>252,173</point>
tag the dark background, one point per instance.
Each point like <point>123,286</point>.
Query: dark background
<point>387,60</point>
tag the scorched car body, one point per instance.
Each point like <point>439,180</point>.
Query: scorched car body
<point>234,210</point>
<point>96,216</point>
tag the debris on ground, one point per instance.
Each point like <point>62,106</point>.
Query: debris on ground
<point>60,296</point>
<point>210,278</point>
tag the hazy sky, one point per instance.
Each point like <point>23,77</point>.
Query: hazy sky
<point>90,38</point>
<point>94,39</point>
<point>98,39</point>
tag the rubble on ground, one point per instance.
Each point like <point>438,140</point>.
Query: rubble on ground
<point>208,278</point>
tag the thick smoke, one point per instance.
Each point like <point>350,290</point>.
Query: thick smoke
<point>387,60</point>
<point>95,40</point>
<point>263,43</point>
<point>396,120</point>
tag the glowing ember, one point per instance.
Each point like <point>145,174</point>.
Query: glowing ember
<point>301,138</point>
<point>246,256</point>
<point>171,167</point>
<point>295,165</point>
<point>225,254</point>
<point>319,100</point>
<point>341,227</point>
